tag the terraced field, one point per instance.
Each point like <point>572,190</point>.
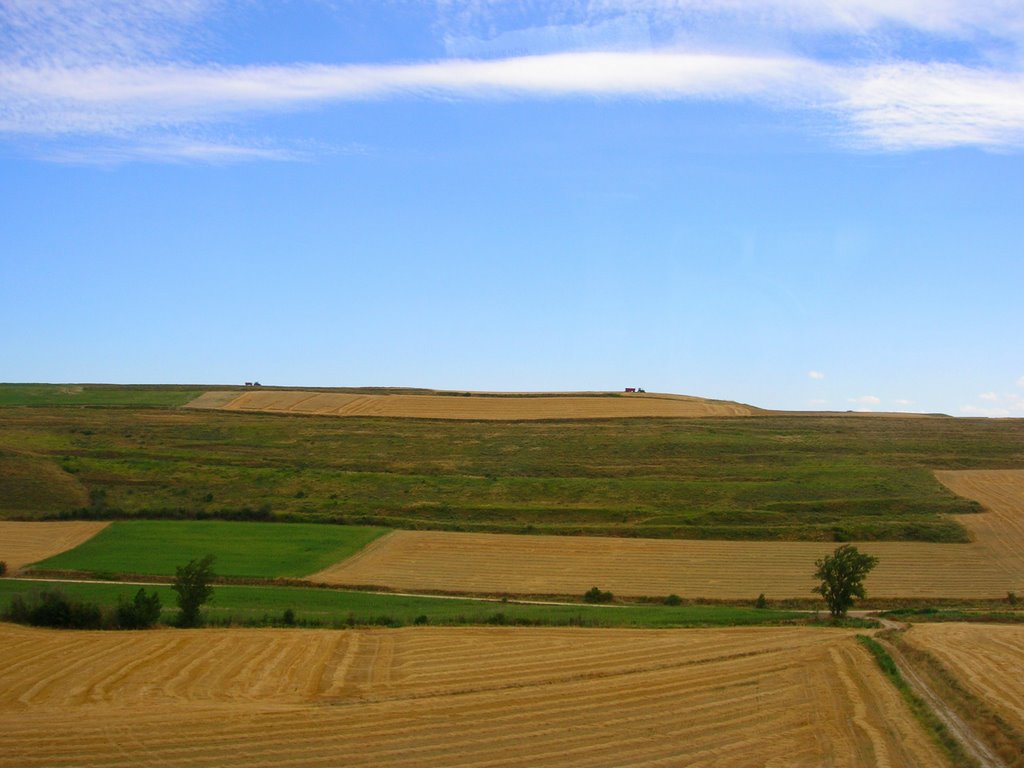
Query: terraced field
<point>453,697</point>
<point>24,543</point>
<point>986,658</point>
<point>475,407</point>
<point>990,566</point>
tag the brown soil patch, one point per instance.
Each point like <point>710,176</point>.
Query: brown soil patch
<point>494,563</point>
<point>985,658</point>
<point>24,543</point>
<point>475,407</point>
<point>452,697</point>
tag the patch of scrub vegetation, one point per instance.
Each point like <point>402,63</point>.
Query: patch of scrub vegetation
<point>765,477</point>
<point>242,550</point>
<point>257,605</point>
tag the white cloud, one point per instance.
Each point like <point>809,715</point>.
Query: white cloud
<point>903,402</point>
<point>1020,381</point>
<point>816,375</point>
<point>817,401</point>
<point>127,70</point>
<point>974,410</point>
<point>947,17</point>
<point>1001,405</point>
<point>866,400</point>
<point>898,108</point>
<point>908,106</point>
<point>184,150</point>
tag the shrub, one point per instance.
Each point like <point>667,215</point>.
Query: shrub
<point>673,599</point>
<point>51,608</point>
<point>595,595</point>
<point>141,613</point>
<point>421,619</point>
<point>761,602</point>
<point>1011,597</point>
<point>3,567</point>
<point>288,617</point>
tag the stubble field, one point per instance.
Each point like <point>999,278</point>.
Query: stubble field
<point>986,658</point>
<point>504,407</point>
<point>989,567</point>
<point>24,543</point>
<point>454,697</point>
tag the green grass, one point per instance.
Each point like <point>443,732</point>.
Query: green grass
<point>243,550</point>
<point>96,395</point>
<point>327,607</point>
<point>770,477</point>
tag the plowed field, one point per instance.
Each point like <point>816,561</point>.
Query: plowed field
<point>476,407</point>
<point>493,563</point>
<point>986,658</point>
<point>451,697</point>
<point>24,543</point>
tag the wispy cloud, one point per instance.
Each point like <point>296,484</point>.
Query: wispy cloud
<point>816,375</point>
<point>128,72</point>
<point>866,400</point>
<point>997,404</point>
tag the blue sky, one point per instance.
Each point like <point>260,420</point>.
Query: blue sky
<point>790,203</point>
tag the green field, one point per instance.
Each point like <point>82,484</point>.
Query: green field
<point>105,395</point>
<point>766,477</point>
<point>243,550</point>
<point>328,607</point>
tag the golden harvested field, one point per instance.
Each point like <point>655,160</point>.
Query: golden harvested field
<point>23,543</point>
<point>494,563</point>
<point>452,697</point>
<point>1001,529</point>
<point>986,658</point>
<point>476,407</point>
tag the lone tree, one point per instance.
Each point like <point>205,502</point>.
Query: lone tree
<point>192,583</point>
<point>842,577</point>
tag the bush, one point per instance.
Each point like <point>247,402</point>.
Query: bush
<point>1011,597</point>
<point>673,599</point>
<point>141,613</point>
<point>288,618</point>
<point>421,619</point>
<point>761,602</point>
<point>51,608</point>
<point>595,595</point>
<point>3,567</point>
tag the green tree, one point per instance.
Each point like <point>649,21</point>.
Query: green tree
<point>842,577</point>
<point>140,613</point>
<point>192,583</point>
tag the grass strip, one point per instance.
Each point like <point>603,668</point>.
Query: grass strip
<point>265,606</point>
<point>935,727</point>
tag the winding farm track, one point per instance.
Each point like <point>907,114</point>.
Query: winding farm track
<point>989,567</point>
<point>22,543</point>
<point>481,407</point>
<point>452,697</point>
